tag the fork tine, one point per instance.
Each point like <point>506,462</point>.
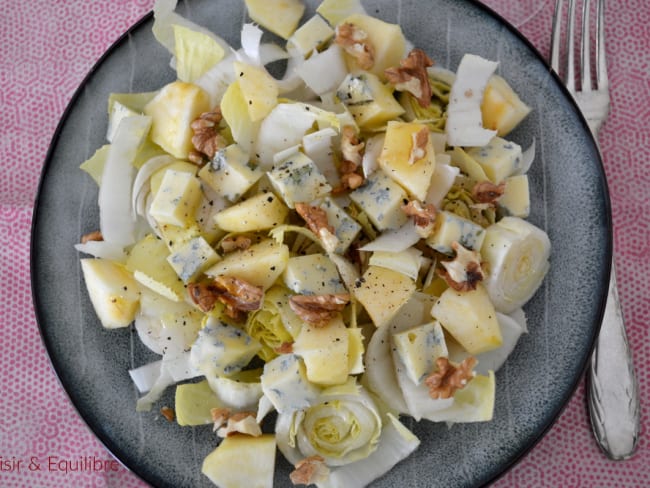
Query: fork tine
<point>570,80</point>
<point>555,38</point>
<point>602,81</point>
<point>585,52</point>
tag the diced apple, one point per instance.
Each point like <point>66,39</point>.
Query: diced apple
<point>242,460</point>
<point>311,35</point>
<point>148,262</point>
<point>260,212</point>
<point>261,264</point>
<point>408,164</point>
<point>387,40</point>
<point>258,88</point>
<point>501,108</point>
<point>279,16</point>
<point>470,318</point>
<point>173,109</point>
<point>382,292</point>
<point>325,351</point>
<point>234,109</point>
<point>113,292</point>
<point>193,402</point>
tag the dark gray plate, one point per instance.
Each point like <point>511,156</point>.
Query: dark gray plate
<point>569,201</point>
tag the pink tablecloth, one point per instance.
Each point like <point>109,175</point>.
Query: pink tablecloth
<point>47,47</point>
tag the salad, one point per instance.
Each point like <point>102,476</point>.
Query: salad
<point>314,255</point>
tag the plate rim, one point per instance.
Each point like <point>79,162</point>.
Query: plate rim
<point>552,416</point>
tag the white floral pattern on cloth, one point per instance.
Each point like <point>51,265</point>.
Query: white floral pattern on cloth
<point>48,47</point>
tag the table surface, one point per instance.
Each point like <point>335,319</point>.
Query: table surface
<point>46,49</point>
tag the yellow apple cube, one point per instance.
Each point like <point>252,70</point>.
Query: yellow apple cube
<point>407,157</point>
<point>242,460</point>
<point>470,318</point>
<point>382,292</point>
<point>259,89</point>
<point>279,16</point>
<point>114,293</point>
<point>172,111</point>
<point>262,211</point>
<point>387,40</point>
<point>260,265</point>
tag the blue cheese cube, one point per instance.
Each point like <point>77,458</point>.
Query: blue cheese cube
<point>192,257</point>
<point>230,173</point>
<point>499,159</point>
<point>314,274</point>
<point>418,348</point>
<point>222,350</point>
<point>298,179</point>
<point>285,384</point>
<point>177,198</point>
<point>381,198</point>
<point>346,228</point>
<point>450,227</point>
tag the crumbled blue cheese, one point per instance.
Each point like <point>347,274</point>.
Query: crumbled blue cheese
<point>313,274</point>
<point>285,384</point>
<point>499,159</point>
<point>381,198</point>
<point>450,227</point>
<point>192,257</point>
<point>230,173</point>
<point>297,179</point>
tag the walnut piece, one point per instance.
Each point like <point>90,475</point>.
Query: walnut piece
<point>234,243</point>
<point>284,348</point>
<point>316,220</point>
<point>351,146</point>
<point>424,216</point>
<point>355,42</point>
<point>448,378</point>
<point>412,76</point>
<point>351,150</point>
<point>464,272</point>
<point>311,470</point>
<point>318,310</point>
<point>238,295</point>
<point>487,192</point>
<point>228,424</point>
<point>419,145</point>
<point>168,413</point>
<point>92,236</point>
<point>206,139</point>
<point>205,294</point>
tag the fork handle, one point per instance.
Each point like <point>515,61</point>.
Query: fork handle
<point>613,389</point>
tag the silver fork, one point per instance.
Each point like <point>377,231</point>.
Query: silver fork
<point>613,389</point>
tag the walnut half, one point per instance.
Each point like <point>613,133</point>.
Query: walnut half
<point>448,378</point>
<point>310,471</point>
<point>464,272</point>
<point>355,42</point>
<point>206,139</point>
<point>412,76</point>
<point>318,310</point>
